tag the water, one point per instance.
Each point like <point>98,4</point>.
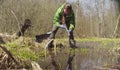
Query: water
<point>88,56</point>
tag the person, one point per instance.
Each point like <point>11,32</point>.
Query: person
<point>64,18</point>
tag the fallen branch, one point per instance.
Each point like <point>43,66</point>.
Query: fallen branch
<point>9,54</point>
<point>16,19</point>
<point>46,46</point>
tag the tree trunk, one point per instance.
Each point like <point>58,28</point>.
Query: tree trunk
<point>116,28</point>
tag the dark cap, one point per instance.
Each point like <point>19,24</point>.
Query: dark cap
<point>68,6</point>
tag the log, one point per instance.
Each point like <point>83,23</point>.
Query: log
<point>9,54</point>
<point>41,37</point>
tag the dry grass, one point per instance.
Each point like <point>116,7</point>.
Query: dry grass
<point>41,12</point>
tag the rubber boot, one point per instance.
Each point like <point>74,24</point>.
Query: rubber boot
<point>72,43</point>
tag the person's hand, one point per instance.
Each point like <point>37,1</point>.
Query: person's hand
<point>69,30</point>
<point>62,26</point>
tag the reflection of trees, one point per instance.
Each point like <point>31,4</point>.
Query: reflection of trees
<point>56,63</point>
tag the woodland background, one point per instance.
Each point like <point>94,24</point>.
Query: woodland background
<point>94,18</point>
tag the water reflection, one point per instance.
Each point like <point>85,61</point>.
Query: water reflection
<point>70,59</point>
<point>94,57</point>
<point>54,62</point>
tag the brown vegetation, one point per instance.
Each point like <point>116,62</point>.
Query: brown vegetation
<point>97,21</point>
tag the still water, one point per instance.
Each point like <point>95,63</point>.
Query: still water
<point>88,56</point>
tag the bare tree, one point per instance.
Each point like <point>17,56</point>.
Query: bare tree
<point>116,28</point>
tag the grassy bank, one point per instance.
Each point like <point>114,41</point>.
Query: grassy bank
<point>27,50</point>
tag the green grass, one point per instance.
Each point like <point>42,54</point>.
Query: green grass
<point>25,52</point>
<point>35,53</point>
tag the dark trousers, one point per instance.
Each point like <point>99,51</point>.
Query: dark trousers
<point>71,36</point>
<point>54,31</point>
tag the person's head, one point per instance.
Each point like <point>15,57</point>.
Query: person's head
<point>67,9</point>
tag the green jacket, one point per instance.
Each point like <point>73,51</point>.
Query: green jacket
<point>59,14</point>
